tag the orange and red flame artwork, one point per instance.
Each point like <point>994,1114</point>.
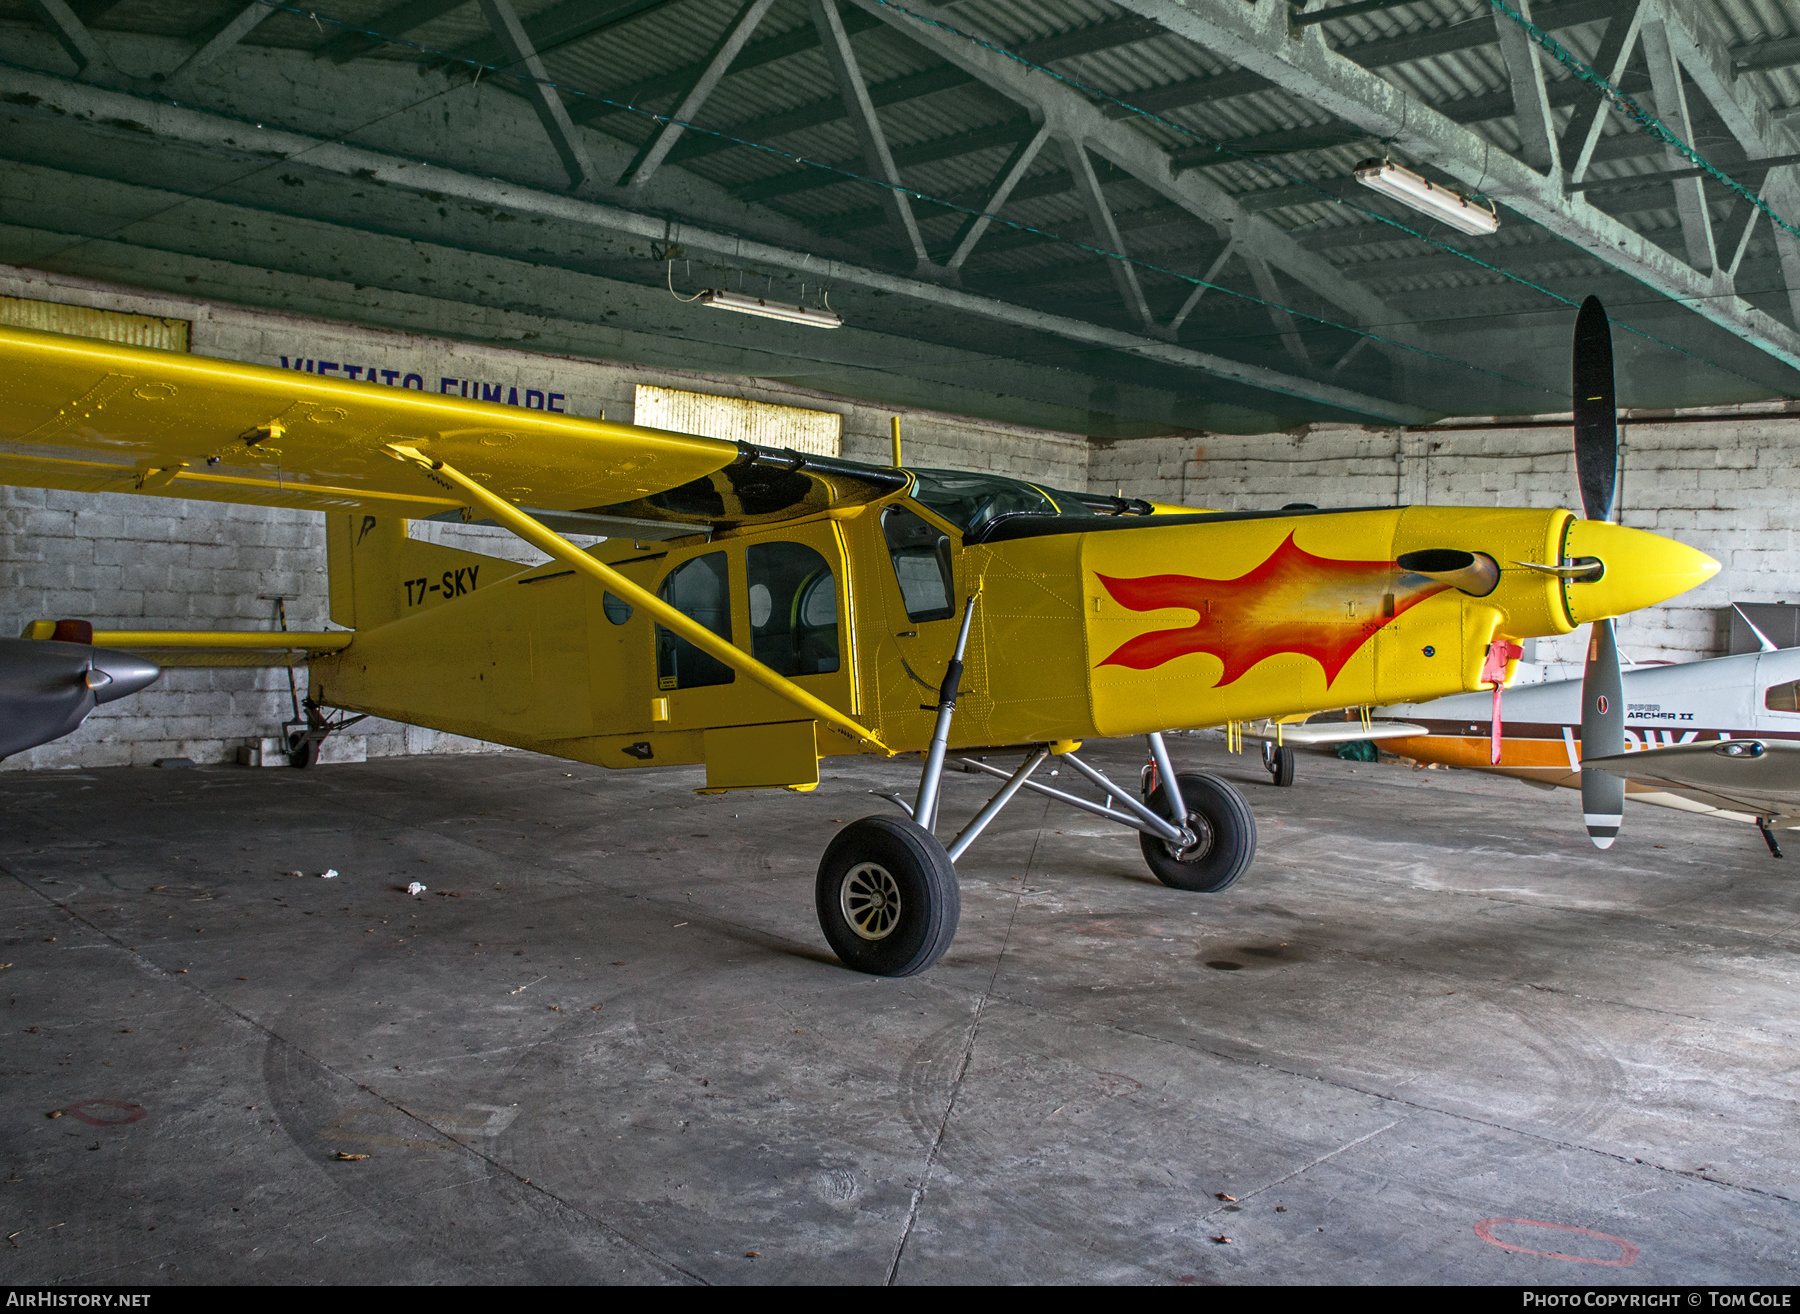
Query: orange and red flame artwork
<point>1292,602</point>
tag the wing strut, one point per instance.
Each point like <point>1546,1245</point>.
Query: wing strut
<point>548,540</point>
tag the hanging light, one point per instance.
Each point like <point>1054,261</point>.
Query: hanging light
<point>1426,197</point>
<point>719,299</point>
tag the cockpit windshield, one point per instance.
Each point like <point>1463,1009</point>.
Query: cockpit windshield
<point>970,501</point>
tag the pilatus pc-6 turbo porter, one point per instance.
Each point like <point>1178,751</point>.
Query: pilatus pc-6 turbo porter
<point>754,610</point>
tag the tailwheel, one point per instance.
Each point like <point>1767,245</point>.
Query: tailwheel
<point>887,897</point>
<point>1279,759</point>
<point>1224,831</point>
<point>303,749</point>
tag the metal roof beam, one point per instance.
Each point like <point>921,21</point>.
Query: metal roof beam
<point>1010,133</point>
<point>835,43</point>
<point>1380,53</point>
<point>730,43</point>
<point>1530,98</point>
<point>546,100</point>
<point>911,86</point>
<point>393,24</point>
<point>226,136</point>
<point>1006,181</point>
<point>1617,45</point>
<point>756,55</point>
<point>1106,231</point>
<point>1672,109</point>
<point>1258,38</point>
<point>72,35</point>
<point>556,26</point>
<point>221,42</point>
<point>1071,115</point>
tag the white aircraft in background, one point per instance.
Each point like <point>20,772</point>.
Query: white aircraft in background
<point>1719,736</point>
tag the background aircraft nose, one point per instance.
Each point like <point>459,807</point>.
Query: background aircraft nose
<point>125,674</point>
<point>1638,569</point>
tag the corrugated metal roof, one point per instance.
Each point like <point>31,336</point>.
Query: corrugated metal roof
<point>791,104</point>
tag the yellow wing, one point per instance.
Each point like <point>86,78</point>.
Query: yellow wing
<point>94,416</point>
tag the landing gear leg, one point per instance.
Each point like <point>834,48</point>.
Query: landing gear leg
<point>1762,824</point>
<point>887,896</point>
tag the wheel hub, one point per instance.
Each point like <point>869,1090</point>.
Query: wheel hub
<point>1196,840</point>
<point>870,900</point>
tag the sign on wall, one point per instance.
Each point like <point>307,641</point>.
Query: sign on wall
<point>735,419</point>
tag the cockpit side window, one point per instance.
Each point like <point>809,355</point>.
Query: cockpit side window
<point>793,609</point>
<point>1783,697</point>
<point>699,589</point>
<point>921,555</point>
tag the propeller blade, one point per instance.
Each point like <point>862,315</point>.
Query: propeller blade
<point>1602,735</point>
<point>1596,415</point>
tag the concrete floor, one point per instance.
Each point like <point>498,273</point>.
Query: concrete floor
<point>609,1044</point>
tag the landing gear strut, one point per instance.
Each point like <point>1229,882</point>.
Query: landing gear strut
<point>887,893</point>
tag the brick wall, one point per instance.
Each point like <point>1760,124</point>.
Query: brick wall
<point>127,561</point>
<point>1728,487</point>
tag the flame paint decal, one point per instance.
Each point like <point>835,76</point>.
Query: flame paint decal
<point>1292,602</point>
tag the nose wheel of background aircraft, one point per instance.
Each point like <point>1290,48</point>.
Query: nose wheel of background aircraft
<point>1278,759</point>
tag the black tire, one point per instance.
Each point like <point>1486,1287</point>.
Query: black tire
<point>874,861</point>
<point>1281,766</point>
<point>303,750</point>
<point>1218,814</point>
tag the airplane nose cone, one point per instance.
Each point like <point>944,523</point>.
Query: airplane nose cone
<point>124,674</point>
<point>1637,570</point>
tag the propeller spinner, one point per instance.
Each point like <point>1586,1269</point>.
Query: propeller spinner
<point>1596,467</point>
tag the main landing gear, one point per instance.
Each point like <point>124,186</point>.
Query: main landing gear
<point>887,893</point>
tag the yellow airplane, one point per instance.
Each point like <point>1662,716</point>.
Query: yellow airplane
<point>754,610</point>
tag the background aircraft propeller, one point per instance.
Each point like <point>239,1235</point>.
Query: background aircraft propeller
<point>1596,467</point>
<point>47,688</point>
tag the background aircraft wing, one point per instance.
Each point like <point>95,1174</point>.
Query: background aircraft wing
<point>94,416</point>
<point>1316,733</point>
<point>1758,776</point>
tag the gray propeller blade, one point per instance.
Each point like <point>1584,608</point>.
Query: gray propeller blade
<point>1596,466</point>
<point>1602,735</point>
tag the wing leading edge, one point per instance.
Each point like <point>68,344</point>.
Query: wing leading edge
<point>93,416</point>
<point>1757,776</point>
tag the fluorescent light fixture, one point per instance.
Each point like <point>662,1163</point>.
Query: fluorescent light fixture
<point>1426,197</point>
<point>722,300</point>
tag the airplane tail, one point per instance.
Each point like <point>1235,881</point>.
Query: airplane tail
<point>379,574</point>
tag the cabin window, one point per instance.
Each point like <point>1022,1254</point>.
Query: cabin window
<point>793,609</point>
<point>617,610</point>
<point>1783,697</point>
<point>698,589</point>
<point>921,563</point>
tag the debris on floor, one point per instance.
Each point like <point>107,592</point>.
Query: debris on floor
<point>328,874</point>
<point>415,888</point>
